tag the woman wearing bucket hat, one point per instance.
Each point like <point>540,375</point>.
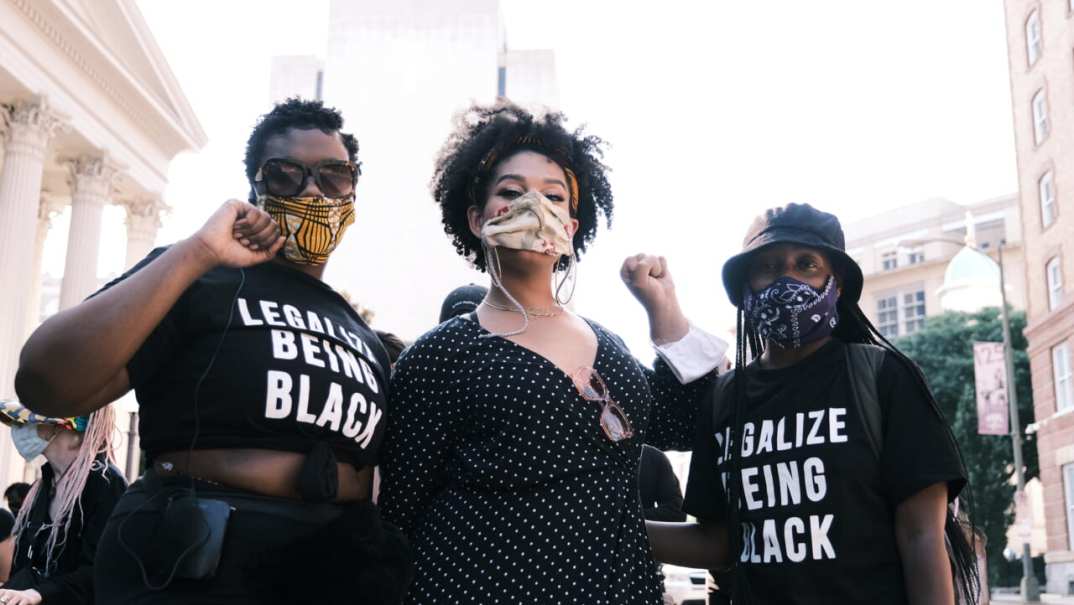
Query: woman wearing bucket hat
<point>60,524</point>
<point>824,470</point>
<point>513,444</point>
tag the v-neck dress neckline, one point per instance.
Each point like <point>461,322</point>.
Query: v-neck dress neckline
<point>488,334</point>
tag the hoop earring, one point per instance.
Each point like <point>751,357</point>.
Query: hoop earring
<point>571,274</point>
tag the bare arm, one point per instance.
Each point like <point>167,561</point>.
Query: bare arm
<point>919,533</point>
<point>698,545</point>
<point>7,555</point>
<point>97,338</point>
<point>648,279</point>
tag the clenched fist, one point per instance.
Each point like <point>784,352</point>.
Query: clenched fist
<point>239,234</point>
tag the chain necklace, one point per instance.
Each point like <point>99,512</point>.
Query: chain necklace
<point>553,312</point>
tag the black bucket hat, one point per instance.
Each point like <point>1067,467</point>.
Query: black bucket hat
<point>794,224</point>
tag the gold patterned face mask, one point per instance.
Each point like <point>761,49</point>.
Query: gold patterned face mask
<point>532,222</point>
<point>311,226</point>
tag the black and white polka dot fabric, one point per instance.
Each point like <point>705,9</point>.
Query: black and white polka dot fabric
<point>504,480</point>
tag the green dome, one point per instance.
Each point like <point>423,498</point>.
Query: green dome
<point>971,268</point>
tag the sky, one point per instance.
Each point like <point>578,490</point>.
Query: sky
<point>713,112</point>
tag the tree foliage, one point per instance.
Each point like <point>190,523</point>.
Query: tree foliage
<point>944,351</point>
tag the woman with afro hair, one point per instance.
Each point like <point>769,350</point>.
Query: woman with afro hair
<point>511,458</point>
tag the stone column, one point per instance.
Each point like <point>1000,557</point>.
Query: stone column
<point>143,220</point>
<point>31,124</point>
<point>91,186</point>
<point>48,208</point>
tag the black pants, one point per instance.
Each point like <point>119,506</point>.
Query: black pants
<point>274,551</point>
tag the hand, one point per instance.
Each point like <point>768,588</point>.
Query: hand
<point>238,234</point>
<point>20,597</point>
<point>648,279</point>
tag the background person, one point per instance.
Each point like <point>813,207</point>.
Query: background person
<point>14,496</point>
<point>60,525</point>
<point>462,300</point>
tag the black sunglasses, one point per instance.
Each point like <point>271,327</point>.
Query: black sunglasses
<point>282,177</point>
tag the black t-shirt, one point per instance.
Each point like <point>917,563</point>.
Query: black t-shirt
<point>817,506</point>
<point>297,366</point>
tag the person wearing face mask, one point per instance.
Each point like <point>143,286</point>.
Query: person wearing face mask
<point>58,530</point>
<point>824,470</point>
<point>262,393</point>
<point>512,452</point>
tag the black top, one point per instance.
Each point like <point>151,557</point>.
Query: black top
<point>503,478</point>
<point>70,578</point>
<point>817,506</point>
<point>297,366</point>
<point>661,495</point>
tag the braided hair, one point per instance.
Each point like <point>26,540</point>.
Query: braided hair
<point>854,327</point>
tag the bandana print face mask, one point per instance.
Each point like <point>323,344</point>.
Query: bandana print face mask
<point>312,226</point>
<point>532,222</point>
<point>791,313</point>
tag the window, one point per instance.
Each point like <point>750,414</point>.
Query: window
<point>889,260</point>
<point>887,314</point>
<point>1061,377</point>
<point>1055,283</point>
<point>915,256</point>
<point>913,311</point>
<point>1068,488</point>
<point>1046,189</point>
<point>1040,117</point>
<point>1033,37</point>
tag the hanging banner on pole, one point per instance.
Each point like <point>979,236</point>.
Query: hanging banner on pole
<point>990,378</point>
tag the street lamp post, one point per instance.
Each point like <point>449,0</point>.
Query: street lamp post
<point>1029,586</point>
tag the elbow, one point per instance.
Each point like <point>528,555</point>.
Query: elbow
<point>34,391</point>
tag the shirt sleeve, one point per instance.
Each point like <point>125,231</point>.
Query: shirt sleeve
<point>693,355</point>
<point>421,431</point>
<point>919,449</point>
<point>705,496</point>
<point>674,408</point>
<point>664,500</point>
<point>162,341</point>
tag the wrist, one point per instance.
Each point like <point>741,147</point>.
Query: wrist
<point>198,254</point>
<point>667,324</point>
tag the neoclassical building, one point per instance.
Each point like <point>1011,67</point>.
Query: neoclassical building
<point>90,115</point>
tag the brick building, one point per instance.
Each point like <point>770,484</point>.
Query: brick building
<point>1040,43</point>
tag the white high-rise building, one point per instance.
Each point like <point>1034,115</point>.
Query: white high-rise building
<point>295,75</point>
<point>528,77</point>
<point>399,71</point>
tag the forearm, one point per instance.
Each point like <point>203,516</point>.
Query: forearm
<point>667,323</point>
<point>689,544</point>
<point>926,570</point>
<point>99,336</point>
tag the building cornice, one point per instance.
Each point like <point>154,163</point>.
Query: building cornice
<point>71,37</point>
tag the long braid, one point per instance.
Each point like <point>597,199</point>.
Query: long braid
<point>97,441</point>
<point>961,549</point>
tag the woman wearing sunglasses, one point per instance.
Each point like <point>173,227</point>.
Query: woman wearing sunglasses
<point>262,394</point>
<point>512,452</point>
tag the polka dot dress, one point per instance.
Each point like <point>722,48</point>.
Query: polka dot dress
<point>504,480</point>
